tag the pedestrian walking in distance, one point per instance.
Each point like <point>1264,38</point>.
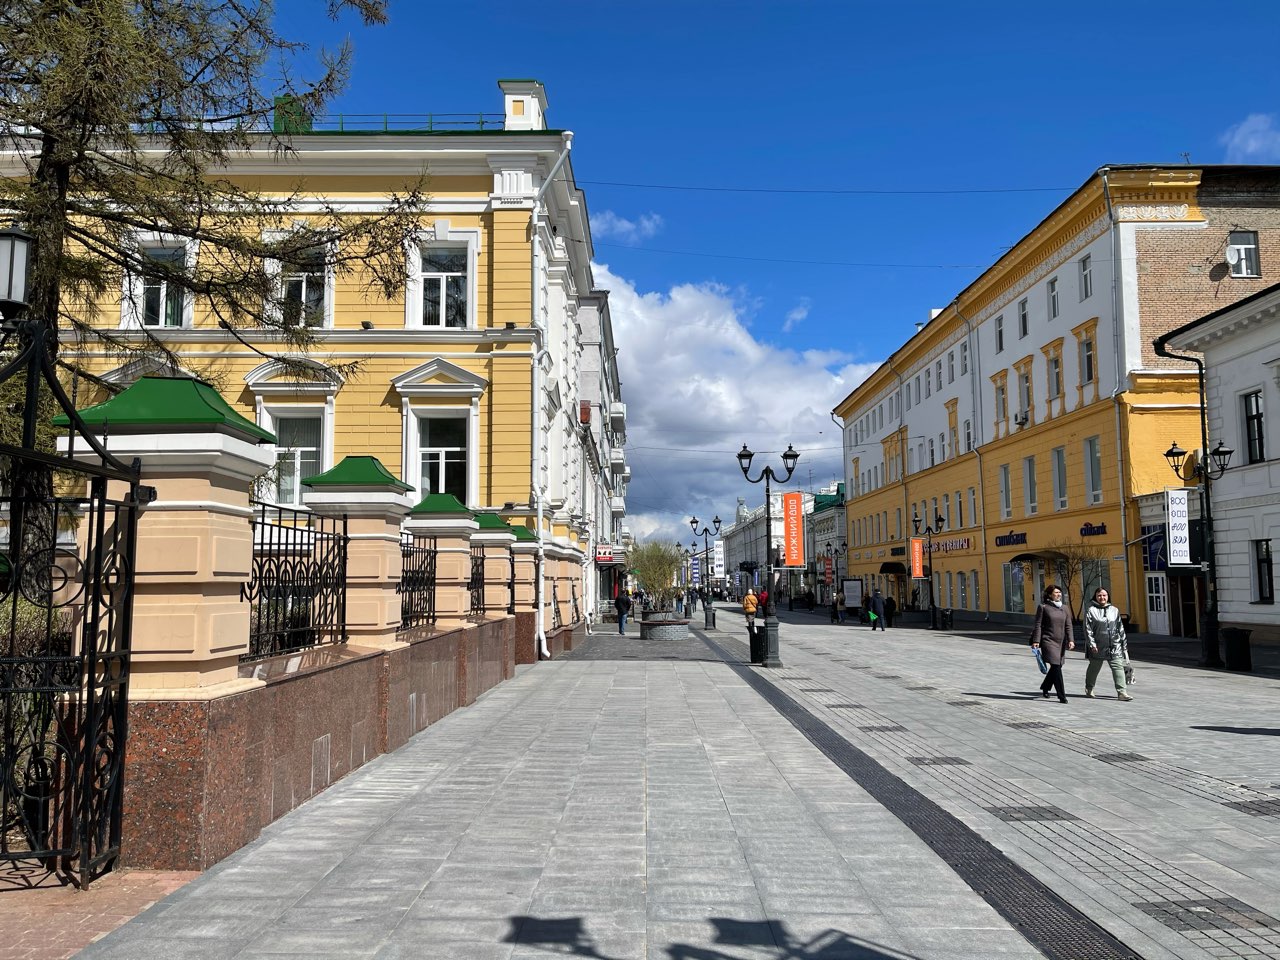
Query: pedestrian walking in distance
<point>840,605</point>
<point>623,605</point>
<point>749,606</point>
<point>1051,635</point>
<point>876,605</point>
<point>1106,643</point>
<point>890,608</point>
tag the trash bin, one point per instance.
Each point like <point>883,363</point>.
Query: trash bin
<point>758,644</point>
<point>946,619</point>
<point>1238,655</point>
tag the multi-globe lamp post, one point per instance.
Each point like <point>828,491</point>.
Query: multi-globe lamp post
<point>1205,471</point>
<point>929,531</point>
<point>834,552</point>
<point>708,614</point>
<point>789,460</point>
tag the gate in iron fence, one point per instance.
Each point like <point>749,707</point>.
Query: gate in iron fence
<point>298,584</point>
<point>417,587</point>
<point>68,526</point>
<point>476,583</point>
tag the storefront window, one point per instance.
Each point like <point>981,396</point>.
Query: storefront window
<point>1014,601</point>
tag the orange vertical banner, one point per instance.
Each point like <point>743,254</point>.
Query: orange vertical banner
<point>793,529</point>
<point>917,558</point>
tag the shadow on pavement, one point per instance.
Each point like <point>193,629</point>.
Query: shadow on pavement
<point>1011,695</point>
<point>770,938</point>
<point>1248,731</point>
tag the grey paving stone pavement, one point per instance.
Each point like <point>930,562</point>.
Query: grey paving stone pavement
<point>608,806</point>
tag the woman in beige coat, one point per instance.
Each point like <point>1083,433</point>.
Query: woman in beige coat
<point>1053,637</point>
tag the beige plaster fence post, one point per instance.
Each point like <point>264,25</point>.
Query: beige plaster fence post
<point>195,543</point>
<point>496,539</point>
<point>525,550</point>
<point>443,516</point>
<point>375,504</point>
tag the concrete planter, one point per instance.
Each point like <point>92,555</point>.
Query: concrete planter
<point>664,629</point>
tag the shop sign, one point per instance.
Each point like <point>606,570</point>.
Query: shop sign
<point>717,560</point>
<point>1012,539</point>
<point>607,554</point>
<point>827,566</point>
<point>1093,530</point>
<point>946,546</point>
<point>793,529</point>
<point>897,551</point>
<point>1179,526</point>
<point>917,558</point>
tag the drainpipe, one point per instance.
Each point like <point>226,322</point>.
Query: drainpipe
<point>975,381</point>
<point>1117,313</point>
<point>535,294</point>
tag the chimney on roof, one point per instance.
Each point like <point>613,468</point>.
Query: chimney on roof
<point>524,103</point>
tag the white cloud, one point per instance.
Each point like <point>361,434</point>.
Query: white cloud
<point>697,386</point>
<point>1255,139</point>
<point>796,315</point>
<point>609,224</point>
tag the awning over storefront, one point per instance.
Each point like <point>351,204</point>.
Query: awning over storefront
<point>892,566</point>
<point>1038,555</point>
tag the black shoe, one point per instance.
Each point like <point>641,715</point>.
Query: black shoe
<point>1062,699</point>
<point>1045,694</point>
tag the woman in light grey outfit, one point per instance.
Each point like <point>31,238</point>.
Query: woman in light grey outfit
<point>1107,643</point>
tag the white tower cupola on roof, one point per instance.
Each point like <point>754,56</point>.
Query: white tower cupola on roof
<point>525,104</point>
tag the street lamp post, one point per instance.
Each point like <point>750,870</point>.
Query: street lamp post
<point>1205,472</point>
<point>834,553</point>
<point>929,531</point>
<point>708,615</point>
<point>789,460</point>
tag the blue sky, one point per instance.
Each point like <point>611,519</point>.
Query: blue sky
<point>900,117</point>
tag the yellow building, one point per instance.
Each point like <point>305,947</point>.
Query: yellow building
<point>474,379</point>
<point>1031,413</point>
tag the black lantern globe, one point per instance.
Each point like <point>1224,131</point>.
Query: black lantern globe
<point>1222,456</point>
<point>744,458</point>
<point>1175,455</point>
<point>788,459</point>
<point>15,266</point>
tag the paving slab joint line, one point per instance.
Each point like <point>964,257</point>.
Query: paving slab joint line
<point>1046,920</point>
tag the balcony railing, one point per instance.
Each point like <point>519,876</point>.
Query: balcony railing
<point>390,123</point>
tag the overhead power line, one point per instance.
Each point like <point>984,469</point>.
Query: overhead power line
<point>824,191</point>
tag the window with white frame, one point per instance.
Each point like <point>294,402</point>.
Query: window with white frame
<point>919,395</point>
<point>1059,464</point>
<point>1024,392</point>
<point>1053,298</point>
<point>1242,253</point>
<point>1000,334</point>
<point>299,452</point>
<point>938,374</point>
<point>1264,590</point>
<point>442,453</point>
<point>951,367</point>
<point>1086,277</point>
<point>959,510</point>
<point>1006,504</point>
<point>964,359</point>
<point>1024,318</point>
<point>933,453</point>
<point>968,436</point>
<point>1255,445</point>
<point>1087,371</point>
<point>444,286</point>
<point>159,300</point>
<point>946,509</point>
<point>1002,403</point>
<point>928,382</point>
<point>942,446</point>
<point>303,289</point>
<point>1055,377</point>
<point>973,505</point>
<point>1030,499</point>
<point>1093,469</point>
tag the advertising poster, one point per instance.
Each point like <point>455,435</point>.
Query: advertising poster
<point>1179,526</point>
<point>717,560</point>
<point>793,529</point>
<point>917,558</point>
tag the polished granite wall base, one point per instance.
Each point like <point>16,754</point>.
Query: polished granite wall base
<point>526,637</point>
<point>204,777</point>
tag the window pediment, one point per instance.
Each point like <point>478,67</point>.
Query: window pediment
<point>439,378</point>
<point>295,375</point>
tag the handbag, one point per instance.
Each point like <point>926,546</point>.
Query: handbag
<point>1044,667</point>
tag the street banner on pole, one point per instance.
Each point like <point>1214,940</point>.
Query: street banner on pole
<point>696,578</point>
<point>827,568</point>
<point>793,529</point>
<point>1179,526</point>
<point>917,558</point>
<point>717,560</point>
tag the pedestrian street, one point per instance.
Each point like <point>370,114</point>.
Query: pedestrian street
<point>884,795</point>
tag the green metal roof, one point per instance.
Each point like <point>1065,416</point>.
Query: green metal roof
<point>443,503</point>
<point>169,401</point>
<point>357,472</point>
<point>524,533</point>
<point>491,521</point>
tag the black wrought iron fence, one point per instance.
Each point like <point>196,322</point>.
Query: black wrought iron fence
<point>476,583</point>
<point>557,621</point>
<point>574,609</point>
<point>298,586</point>
<point>417,587</point>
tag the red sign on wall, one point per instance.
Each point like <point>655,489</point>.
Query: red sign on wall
<point>793,529</point>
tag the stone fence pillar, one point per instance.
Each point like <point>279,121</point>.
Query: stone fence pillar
<point>195,543</point>
<point>375,504</point>
<point>443,516</point>
<point>496,539</point>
